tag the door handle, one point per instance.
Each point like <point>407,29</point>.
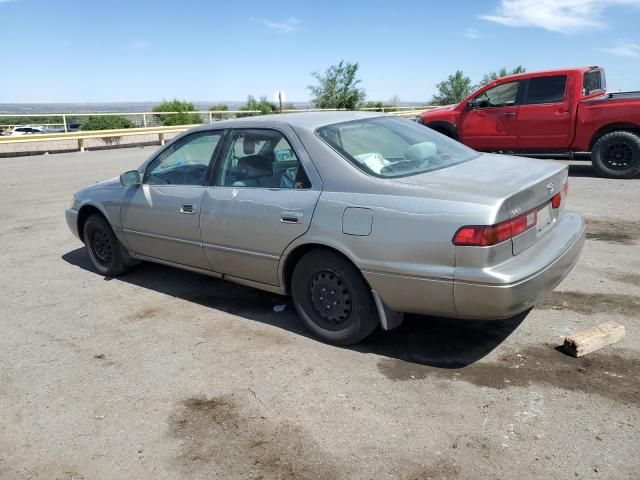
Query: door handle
<point>188,209</point>
<point>291,217</point>
<point>509,114</point>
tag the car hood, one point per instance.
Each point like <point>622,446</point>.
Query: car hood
<point>111,183</point>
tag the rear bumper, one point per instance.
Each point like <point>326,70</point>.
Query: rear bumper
<point>72,221</point>
<point>515,285</point>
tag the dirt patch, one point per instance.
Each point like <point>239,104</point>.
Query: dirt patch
<point>591,303</point>
<point>144,313</point>
<point>610,375</point>
<point>613,231</point>
<point>228,437</point>
<point>630,278</point>
<point>442,470</point>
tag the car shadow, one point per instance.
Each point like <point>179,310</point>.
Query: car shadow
<point>433,341</point>
<point>582,170</point>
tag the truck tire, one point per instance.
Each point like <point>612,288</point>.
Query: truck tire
<point>617,155</point>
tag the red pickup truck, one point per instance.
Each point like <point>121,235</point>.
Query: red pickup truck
<point>553,112</point>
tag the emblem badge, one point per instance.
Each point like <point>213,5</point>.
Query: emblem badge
<point>550,188</point>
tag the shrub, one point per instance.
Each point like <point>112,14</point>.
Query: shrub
<point>263,106</point>
<point>107,122</point>
<point>220,107</point>
<point>184,117</point>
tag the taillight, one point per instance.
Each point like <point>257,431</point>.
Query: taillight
<point>556,200</point>
<point>486,235</point>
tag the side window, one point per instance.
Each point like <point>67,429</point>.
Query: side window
<point>546,90</point>
<point>501,96</point>
<point>593,81</point>
<point>260,159</point>
<point>185,162</point>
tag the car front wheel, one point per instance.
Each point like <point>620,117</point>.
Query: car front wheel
<point>332,298</point>
<point>103,248</point>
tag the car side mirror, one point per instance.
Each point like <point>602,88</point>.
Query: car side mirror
<point>130,178</point>
<point>472,105</point>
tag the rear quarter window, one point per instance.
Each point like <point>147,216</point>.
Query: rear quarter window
<point>546,90</point>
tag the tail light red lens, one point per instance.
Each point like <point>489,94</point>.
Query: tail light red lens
<point>556,200</point>
<point>486,235</point>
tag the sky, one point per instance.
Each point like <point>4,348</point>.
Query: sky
<point>108,51</point>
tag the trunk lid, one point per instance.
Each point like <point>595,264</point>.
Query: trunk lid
<point>516,185</point>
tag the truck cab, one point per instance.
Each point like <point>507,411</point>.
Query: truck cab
<point>551,112</point>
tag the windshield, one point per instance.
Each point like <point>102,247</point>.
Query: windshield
<point>389,147</point>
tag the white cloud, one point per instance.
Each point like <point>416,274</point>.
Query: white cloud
<point>290,24</point>
<point>623,50</point>
<point>471,33</point>
<point>566,16</point>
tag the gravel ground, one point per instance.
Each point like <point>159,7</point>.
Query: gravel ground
<point>168,374</point>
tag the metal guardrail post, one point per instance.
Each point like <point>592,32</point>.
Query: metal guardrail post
<point>210,117</point>
<point>64,122</point>
<point>161,138</point>
<point>144,120</point>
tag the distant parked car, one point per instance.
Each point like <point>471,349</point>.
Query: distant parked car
<point>359,216</point>
<point>28,130</point>
<point>556,111</point>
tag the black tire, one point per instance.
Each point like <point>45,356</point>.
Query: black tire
<point>617,155</point>
<point>351,314</point>
<point>104,249</point>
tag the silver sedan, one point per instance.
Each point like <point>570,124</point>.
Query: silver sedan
<point>359,217</point>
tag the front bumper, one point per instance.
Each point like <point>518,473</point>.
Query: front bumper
<point>515,285</point>
<point>72,220</point>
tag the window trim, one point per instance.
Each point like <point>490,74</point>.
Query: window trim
<point>526,91</point>
<point>227,143</point>
<point>177,144</point>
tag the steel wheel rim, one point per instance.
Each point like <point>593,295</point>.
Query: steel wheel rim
<point>101,247</point>
<point>331,299</point>
<point>619,156</point>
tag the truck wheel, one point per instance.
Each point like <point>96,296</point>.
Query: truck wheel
<point>332,298</point>
<point>617,155</point>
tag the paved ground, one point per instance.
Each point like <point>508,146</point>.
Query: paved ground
<point>169,374</point>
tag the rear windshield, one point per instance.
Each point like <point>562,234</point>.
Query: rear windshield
<point>389,147</point>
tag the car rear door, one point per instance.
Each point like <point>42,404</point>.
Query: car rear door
<point>161,217</point>
<point>260,200</point>
<point>493,121</point>
<point>545,119</point>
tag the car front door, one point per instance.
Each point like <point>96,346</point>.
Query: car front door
<point>260,200</point>
<point>161,217</point>
<point>492,122</point>
<point>544,120</point>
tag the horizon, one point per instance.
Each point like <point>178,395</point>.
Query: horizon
<point>139,52</point>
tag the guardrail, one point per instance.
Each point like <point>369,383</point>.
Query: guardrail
<point>81,136</point>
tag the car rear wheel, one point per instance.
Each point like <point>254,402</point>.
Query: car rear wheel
<point>103,248</point>
<point>332,298</point>
<point>617,155</point>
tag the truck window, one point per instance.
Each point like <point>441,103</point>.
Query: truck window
<point>593,81</point>
<point>500,96</point>
<point>546,90</point>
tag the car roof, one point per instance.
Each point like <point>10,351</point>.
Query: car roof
<point>303,120</point>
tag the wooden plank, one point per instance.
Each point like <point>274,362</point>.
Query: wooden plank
<point>593,339</point>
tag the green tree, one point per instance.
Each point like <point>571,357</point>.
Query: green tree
<point>503,72</point>
<point>264,106</point>
<point>184,117</point>
<point>338,87</point>
<point>220,107</point>
<point>453,89</point>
